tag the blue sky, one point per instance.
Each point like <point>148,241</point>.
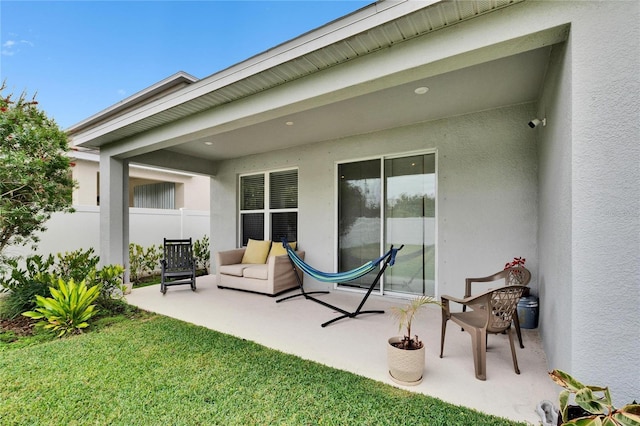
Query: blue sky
<point>84,56</point>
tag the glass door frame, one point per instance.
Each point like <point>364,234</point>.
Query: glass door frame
<point>381,291</point>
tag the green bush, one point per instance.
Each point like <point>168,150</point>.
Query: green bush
<point>41,273</point>
<point>35,171</point>
<point>202,253</point>
<point>143,261</point>
<point>69,308</point>
<point>109,281</point>
<point>76,265</point>
<point>25,284</point>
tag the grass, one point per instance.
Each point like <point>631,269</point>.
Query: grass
<point>155,279</point>
<point>158,370</point>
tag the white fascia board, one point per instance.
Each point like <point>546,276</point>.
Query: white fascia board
<point>360,21</point>
<point>83,155</point>
<point>95,158</point>
<point>172,80</point>
<point>406,62</point>
<point>165,171</point>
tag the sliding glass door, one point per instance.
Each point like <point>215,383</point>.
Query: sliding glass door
<point>359,211</point>
<point>389,201</point>
<point>409,219</point>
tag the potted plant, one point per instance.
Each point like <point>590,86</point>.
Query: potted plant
<point>406,354</point>
<point>516,275</point>
<point>591,405</point>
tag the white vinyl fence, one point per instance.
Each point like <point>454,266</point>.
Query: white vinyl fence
<point>81,230</point>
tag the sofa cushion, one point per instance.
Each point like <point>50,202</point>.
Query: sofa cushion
<point>256,251</point>
<point>260,272</point>
<point>235,270</point>
<point>277,249</point>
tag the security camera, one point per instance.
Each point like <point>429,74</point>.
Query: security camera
<point>535,123</point>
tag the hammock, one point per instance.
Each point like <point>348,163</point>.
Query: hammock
<point>389,258</point>
<point>338,277</point>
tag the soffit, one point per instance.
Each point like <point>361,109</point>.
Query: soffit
<point>512,80</point>
<point>428,19</point>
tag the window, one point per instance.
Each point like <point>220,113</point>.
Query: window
<point>269,206</point>
<point>155,196</point>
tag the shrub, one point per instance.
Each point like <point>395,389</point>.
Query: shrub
<point>24,285</point>
<point>111,288</point>
<point>41,273</point>
<point>76,265</point>
<point>69,308</point>
<point>35,171</point>
<point>143,261</point>
<point>202,253</point>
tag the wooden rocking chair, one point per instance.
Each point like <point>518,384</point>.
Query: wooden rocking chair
<point>178,265</point>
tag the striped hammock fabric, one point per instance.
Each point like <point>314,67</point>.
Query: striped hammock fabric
<point>338,277</point>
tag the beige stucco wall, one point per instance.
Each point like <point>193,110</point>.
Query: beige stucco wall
<point>555,211</point>
<point>487,191</point>
<point>590,198</point>
<point>85,173</point>
<point>192,191</point>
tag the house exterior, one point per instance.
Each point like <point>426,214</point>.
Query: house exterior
<point>162,203</point>
<point>148,187</point>
<point>472,132</point>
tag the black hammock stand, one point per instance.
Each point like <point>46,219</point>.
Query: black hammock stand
<point>388,258</point>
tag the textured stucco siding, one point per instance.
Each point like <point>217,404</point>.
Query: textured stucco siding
<point>487,190</point>
<point>606,198</point>
<point>589,237</point>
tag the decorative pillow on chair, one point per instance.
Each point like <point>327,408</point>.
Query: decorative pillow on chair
<point>277,249</point>
<point>256,251</point>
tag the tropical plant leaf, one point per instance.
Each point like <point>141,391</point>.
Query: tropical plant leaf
<point>563,398</point>
<point>565,380</point>
<point>69,309</point>
<point>585,421</point>
<point>629,415</point>
<point>589,401</point>
<point>33,314</point>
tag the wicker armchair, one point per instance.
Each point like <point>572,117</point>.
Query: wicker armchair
<point>512,276</point>
<point>492,313</point>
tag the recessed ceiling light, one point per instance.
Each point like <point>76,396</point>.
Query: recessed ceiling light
<point>421,90</point>
<point>208,143</point>
<point>289,123</point>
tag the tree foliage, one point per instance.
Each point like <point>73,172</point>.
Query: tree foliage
<point>35,172</point>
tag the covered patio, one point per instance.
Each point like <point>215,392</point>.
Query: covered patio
<point>456,83</point>
<point>359,345</point>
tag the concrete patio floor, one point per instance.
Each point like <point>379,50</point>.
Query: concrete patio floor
<point>359,345</point>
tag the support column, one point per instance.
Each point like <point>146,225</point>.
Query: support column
<point>114,211</point>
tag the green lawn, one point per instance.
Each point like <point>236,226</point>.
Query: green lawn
<point>160,371</point>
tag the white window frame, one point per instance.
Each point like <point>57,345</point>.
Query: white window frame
<point>267,210</point>
<point>382,158</point>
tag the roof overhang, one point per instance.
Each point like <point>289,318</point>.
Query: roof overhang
<point>353,75</point>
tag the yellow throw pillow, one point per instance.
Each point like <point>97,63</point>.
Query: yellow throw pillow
<point>277,249</point>
<point>256,251</point>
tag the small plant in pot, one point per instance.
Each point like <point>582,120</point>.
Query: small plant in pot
<point>592,405</point>
<point>406,354</point>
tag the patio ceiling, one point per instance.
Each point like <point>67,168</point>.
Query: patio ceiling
<point>213,119</point>
<point>507,81</point>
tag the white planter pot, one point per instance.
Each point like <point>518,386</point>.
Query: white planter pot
<point>406,367</point>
